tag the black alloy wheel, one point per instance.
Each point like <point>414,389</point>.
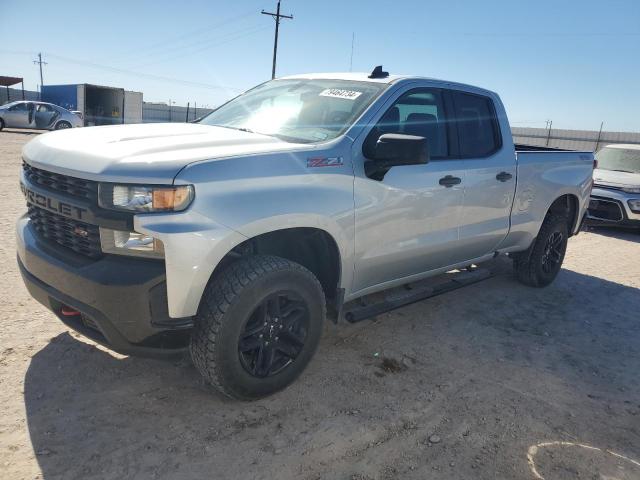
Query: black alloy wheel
<point>274,335</point>
<point>258,325</point>
<point>539,265</point>
<point>553,252</point>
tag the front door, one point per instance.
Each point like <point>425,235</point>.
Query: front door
<point>17,116</point>
<point>407,223</point>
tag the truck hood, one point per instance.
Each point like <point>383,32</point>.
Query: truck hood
<point>142,153</point>
<point>616,179</point>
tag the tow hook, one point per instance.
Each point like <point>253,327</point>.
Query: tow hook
<point>69,312</point>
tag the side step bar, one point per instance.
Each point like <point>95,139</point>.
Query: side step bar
<point>411,293</point>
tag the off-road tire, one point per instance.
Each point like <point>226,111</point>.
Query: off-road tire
<point>225,309</point>
<point>528,265</point>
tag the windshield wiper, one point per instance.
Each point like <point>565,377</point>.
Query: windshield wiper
<point>274,135</point>
<point>242,129</point>
<point>289,139</point>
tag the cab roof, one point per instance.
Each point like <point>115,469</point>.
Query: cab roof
<point>353,76</point>
<point>365,77</point>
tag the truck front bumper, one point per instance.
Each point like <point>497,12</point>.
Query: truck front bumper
<point>611,207</point>
<point>119,302</point>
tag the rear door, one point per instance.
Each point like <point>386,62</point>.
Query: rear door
<point>490,180</point>
<point>45,115</point>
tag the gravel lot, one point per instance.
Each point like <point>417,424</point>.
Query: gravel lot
<point>494,381</point>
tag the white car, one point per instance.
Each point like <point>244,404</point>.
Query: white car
<point>37,115</point>
<point>615,198</point>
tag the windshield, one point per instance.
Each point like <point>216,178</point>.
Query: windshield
<point>301,110</point>
<point>619,159</point>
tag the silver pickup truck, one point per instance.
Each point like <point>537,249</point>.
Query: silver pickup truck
<point>236,236</point>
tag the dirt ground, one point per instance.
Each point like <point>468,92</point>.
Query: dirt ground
<point>494,381</point>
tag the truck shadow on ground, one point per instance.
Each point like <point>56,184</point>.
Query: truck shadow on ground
<point>628,234</point>
<point>540,357</point>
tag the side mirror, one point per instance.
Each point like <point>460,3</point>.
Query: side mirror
<point>396,149</point>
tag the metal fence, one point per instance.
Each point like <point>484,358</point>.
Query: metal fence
<point>151,112</point>
<point>160,112</point>
<point>587,140</point>
<point>16,94</point>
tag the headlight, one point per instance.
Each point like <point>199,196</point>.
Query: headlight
<point>634,205</point>
<point>140,198</point>
<point>631,190</point>
<point>130,243</point>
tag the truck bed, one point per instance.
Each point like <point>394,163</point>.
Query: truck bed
<point>544,175</point>
<point>520,147</point>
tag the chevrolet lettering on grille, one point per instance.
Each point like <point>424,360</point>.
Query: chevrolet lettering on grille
<point>52,204</point>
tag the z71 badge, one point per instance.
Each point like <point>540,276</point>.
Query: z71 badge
<point>314,162</point>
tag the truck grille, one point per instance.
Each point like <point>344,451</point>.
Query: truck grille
<point>56,182</point>
<point>601,209</point>
<point>77,236</point>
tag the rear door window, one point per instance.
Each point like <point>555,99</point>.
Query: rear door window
<point>43,108</point>
<point>477,125</point>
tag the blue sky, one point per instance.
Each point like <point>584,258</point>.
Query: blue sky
<point>574,62</point>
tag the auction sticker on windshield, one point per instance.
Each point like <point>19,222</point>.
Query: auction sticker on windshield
<point>340,93</point>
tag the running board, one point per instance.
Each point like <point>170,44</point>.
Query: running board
<point>411,293</point>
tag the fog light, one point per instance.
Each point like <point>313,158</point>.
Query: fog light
<point>634,205</point>
<point>121,242</point>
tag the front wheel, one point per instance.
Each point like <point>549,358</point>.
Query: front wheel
<point>539,265</point>
<point>257,327</point>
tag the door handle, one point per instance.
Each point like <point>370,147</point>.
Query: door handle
<point>503,176</point>
<point>449,181</point>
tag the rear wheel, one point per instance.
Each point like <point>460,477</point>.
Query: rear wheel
<point>62,125</point>
<point>258,325</point>
<point>1,124</point>
<point>539,265</point>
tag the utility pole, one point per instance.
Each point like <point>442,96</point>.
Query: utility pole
<point>40,63</point>
<point>276,16</point>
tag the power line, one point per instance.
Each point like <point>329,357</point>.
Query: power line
<point>197,31</point>
<point>143,75</point>
<point>202,46</point>
<point>178,43</point>
<point>276,16</point>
